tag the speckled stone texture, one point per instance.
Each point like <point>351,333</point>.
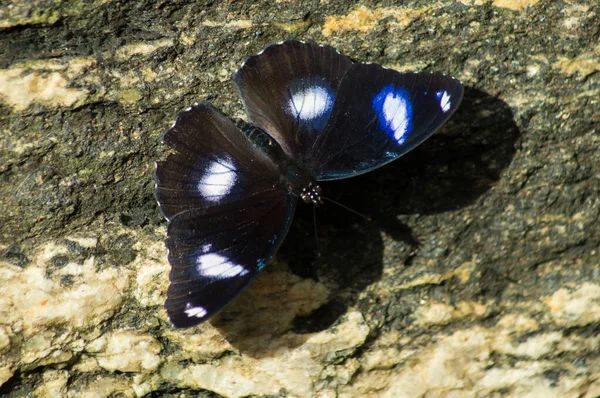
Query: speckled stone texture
<point>478,275</point>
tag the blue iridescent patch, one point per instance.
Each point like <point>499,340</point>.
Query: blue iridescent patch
<point>394,112</point>
<point>260,264</point>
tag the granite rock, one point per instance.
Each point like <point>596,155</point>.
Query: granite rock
<point>479,274</point>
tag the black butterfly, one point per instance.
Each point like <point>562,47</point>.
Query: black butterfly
<point>229,191</point>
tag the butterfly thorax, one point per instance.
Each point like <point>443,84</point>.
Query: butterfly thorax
<point>294,177</point>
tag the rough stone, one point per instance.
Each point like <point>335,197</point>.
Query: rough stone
<point>479,274</point>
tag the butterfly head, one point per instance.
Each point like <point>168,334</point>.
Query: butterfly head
<point>312,194</point>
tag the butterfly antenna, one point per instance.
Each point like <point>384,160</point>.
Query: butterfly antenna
<point>366,218</point>
<point>316,231</point>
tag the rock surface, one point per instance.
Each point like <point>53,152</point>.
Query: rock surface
<point>478,276</point>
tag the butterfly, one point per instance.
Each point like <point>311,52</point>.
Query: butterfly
<point>229,191</point>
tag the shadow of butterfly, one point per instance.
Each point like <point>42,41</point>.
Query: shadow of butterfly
<point>229,191</point>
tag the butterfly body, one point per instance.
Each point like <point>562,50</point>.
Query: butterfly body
<point>229,191</point>
<point>293,176</point>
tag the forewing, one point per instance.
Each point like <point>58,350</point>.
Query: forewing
<point>213,163</point>
<point>289,90</point>
<point>226,209</point>
<point>380,114</point>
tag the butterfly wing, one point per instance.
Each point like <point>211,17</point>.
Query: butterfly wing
<point>379,115</point>
<point>289,90</point>
<point>227,213</point>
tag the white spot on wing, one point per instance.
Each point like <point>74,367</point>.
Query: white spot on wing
<point>216,266</point>
<point>219,179</point>
<point>198,312</point>
<point>310,103</point>
<point>395,112</point>
<point>444,98</point>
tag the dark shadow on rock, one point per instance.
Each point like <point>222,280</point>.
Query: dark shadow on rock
<point>451,170</point>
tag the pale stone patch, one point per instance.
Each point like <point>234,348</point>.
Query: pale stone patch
<point>104,386</point>
<point>48,251</point>
<point>304,365</point>
<point>4,338</point>
<point>5,373</point>
<point>533,70</point>
<point>442,314</point>
<point>574,14</point>
<point>142,48</point>
<point>443,367</point>
<point>22,12</point>
<point>520,323</point>
<point>307,295</point>
<point>143,384</point>
<point>295,362</point>
<point>130,96</point>
<point>459,364</point>
<point>22,145</point>
<point>593,390</point>
<point>44,82</point>
<point>128,351</point>
<point>29,300</point>
<point>37,346</point>
<point>85,241</point>
<point>383,359</point>
<point>363,19</point>
<point>220,379</point>
<point>273,301</point>
<point>348,334</point>
<point>417,65</point>
<point>576,344</point>
<point>434,314</point>
<point>86,364</point>
<point>20,90</point>
<point>152,277</point>
<point>525,100</point>
<point>575,307</point>
<point>35,305</point>
<point>534,347</point>
<point>54,384</point>
<point>581,66</point>
<point>240,24</point>
<point>473,2</point>
<point>49,82</point>
<point>526,379</point>
<point>202,345</point>
<point>462,272</point>
<point>297,370</point>
<point>514,5</point>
